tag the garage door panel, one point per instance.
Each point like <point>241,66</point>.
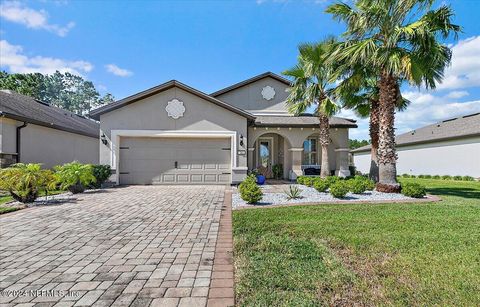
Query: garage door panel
<point>152,161</point>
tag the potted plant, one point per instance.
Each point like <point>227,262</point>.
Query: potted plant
<point>262,173</point>
<point>75,176</point>
<point>277,171</point>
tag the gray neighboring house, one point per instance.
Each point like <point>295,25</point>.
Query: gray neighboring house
<point>449,147</point>
<point>34,132</point>
<point>175,134</point>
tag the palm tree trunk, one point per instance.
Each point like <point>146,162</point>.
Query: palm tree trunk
<point>386,154</point>
<point>374,123</point>
<point>324,140</point>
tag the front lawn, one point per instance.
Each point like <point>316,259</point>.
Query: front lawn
<point>373,254</point>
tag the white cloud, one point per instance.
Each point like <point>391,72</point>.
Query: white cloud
<point>457,94</point>
<point>13,58</point>
<point>464,71</point>
<point>426,108</point>
<point>117,71</point>
<point>17,12</point>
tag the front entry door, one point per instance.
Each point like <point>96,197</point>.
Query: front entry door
<point>265,155</point>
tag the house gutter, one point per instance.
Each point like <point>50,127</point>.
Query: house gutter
<point>18,140</point>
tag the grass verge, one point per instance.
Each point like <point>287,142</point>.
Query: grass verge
<point>372,254</point>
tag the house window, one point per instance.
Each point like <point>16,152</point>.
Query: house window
<point>310,151</point>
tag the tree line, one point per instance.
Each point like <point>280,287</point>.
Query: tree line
<point>63,90</point>
<point>386,43</point>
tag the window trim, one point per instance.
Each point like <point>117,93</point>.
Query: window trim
<point>315,153</point>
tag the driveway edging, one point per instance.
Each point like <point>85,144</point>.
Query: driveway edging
<point>221,292</point>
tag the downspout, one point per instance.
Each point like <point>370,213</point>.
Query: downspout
<point>18,140</point>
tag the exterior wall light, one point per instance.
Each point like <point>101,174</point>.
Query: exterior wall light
<point>241,139</point>
<point>104,140</point>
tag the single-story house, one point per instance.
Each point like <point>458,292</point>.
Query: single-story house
<point>449,147</point>
<point>175,134</point>
<point>32,131</point>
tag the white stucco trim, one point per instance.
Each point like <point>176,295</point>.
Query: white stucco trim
<point>296,149</point>
<point>343,149</point>
<point>116,134</point>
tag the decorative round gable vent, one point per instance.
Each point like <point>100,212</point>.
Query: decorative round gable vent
<point>268,92</point>
<point>175,108</point>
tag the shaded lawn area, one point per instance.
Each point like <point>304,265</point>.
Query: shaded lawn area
<point>372,254</point>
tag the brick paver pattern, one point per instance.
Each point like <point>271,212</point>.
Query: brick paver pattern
<point>128,246</point>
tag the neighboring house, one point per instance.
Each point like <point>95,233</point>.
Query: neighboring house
<point>175,134</point>
<point>449,147</point>
<point>34,132</point>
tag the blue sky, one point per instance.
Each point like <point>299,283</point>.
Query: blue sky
<point>128,46</point>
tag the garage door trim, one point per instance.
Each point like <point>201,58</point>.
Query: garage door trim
<point>116,134</point>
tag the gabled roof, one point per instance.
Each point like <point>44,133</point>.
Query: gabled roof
<point>452,128</point>
<point>251,80</point>
<point>160,88</point>
<point>24,108</point>
<point>302,121</point>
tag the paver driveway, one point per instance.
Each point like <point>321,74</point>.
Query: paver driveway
<point>136,245</point>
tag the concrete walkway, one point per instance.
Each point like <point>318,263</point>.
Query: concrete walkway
<point>129,246</point>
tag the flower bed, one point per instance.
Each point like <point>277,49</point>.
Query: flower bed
<point>309,195</point>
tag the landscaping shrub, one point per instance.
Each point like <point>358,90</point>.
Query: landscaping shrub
<point>321,185</point>
<point>447,177</point>
<point>413,189</point>
<point>339,189</point>
<point>293,192</point>
<point>367,182</point>
<point>468,178</point>
<point>308,181</point>
<point>101,174</point>
<point>436,177</point>
<point>357,186</point>
<point>24,181</point>
<point>300,179</point>
<point>75,176</point>
<point>249,190</point>
<point>457,177</point>
<point>277,171</point>
<point>406,176</point>
<point>332,179</point>
<point>428,176</point>
<point>421,176</point>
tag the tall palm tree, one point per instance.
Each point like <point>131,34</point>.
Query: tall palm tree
<point>399,40</point>
<point>358,91</point>
<point>311,88</point>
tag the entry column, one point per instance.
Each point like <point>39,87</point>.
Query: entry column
<point>296,154</point>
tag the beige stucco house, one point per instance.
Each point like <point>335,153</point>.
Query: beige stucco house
<point>34,132</point>
<point>175,134</point>
<point>448,147</point>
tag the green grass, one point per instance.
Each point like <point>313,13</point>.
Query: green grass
<point>372,254</point>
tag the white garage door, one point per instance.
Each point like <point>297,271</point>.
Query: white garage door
<point>174,161</point>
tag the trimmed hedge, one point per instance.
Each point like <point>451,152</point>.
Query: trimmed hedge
<point>321,185</point>
<point>249,190</point>
<point>339,189</point>
<point>413,189</point>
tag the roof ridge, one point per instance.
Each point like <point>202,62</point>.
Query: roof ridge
<point>251,80</point>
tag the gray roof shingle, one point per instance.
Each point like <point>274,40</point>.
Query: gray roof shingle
<point>457,127</point>
<point>302,121</point>
<point>25,108</point>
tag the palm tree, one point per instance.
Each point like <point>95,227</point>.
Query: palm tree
<point>358,91</point>
<point>311,88</point>
<point>398,40</point>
